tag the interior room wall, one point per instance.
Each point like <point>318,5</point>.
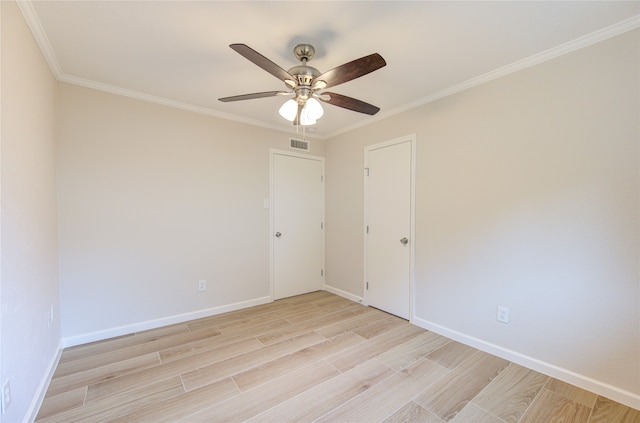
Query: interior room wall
<point>152,200</point>
<point>29,275</point>
<point>527,197</point>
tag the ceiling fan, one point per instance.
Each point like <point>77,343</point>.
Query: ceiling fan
<point>306,84</point>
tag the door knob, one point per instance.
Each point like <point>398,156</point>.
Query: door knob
<point>404,241</point>
<point>278,234</point>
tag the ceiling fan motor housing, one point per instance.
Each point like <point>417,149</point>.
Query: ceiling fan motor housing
<point>304,74</point>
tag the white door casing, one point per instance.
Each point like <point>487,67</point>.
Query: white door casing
<point>297,223</point>
<point>390,226</point>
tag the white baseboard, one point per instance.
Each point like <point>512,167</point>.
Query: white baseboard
<point>165,321</point>
<point>601,388</point>
<point>36,403</point>
<point>344,294</point>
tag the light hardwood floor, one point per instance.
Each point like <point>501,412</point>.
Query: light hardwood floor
<point>315,357</point>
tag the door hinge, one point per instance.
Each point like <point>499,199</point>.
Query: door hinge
<point>321,225</point>
<point>367,228</point>
<point>367,285</point>
<point>321,178</point>
<point>321,272</point>
<point>367,169</point>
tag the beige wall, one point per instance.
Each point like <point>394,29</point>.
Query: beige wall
<point>29,277</point>
<point>152,200</point>
<point>527,196</point>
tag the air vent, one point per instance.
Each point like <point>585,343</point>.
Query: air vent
<point>295,144</point>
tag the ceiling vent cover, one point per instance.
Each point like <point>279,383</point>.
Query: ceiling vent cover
<point>296,144</point>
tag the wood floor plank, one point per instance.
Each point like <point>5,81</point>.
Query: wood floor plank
<point>550,406</point>
<point>78,351</point>
<point>111,407</point>
<point>450,394</point>
<point>169,370</point>
<point>237,315</point>
<point>64,401</point>
<point>279,334</point>
<point>99,347</point>
<point>452,354</point>
<point>321,399</point>
<point>413,413</point>
<point>606,411</point>
<point>571,392</point>
<point>307,298</point>
<point>202,346</point>
<point>384,399</point>
<point>249,320</point>
<point>375,346</point>
<point>412,350</point>
<point>182,405</point>
<point>255,401</point>
<point>472,413</point>
<point>249,323</point>
<point>509,395</point>
<point>319,307</point>
<point>312,311</point>
<point>102,373</point>
<point>336,303</point>
<point>214,321</point>
<point>155,345</point>
<point>331,301</point>
<point>373,329</point>
<point>261,374</point>
<point>211,373</point>
<point>361,319</point>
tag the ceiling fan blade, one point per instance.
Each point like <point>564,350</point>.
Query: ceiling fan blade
<point>350,103</point>
<point>252,96</point>
<point>262,61</point>
<point>352,70</point>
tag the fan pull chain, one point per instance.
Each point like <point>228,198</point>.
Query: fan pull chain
<point>304,131</point>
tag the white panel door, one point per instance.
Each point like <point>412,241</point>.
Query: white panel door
<point>389,242</point>
<point>298,212</point>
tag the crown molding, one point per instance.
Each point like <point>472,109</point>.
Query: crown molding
<point>33,21</point>
<point>30,15</point>
<point>544,56</point>
<point>137,95</point>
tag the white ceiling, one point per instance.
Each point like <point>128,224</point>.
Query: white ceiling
<point>176,52</point>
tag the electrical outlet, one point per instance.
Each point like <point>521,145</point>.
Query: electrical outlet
<point>202,285</point>
<point>502,314</point>
<point>6,396</point>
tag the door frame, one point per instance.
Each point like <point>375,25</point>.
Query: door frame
<point>412,244</point>
<point>272,153</point>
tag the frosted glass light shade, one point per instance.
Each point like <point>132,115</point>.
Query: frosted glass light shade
<point>311,112</point>
<point>305,119</point>
<point>289,110</point>
<point>314,109</point>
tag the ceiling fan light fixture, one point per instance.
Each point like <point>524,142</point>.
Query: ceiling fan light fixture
<point>310,113</point>
<point>313,109</point>
<point>305,120</point>
<point>289,109</point>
